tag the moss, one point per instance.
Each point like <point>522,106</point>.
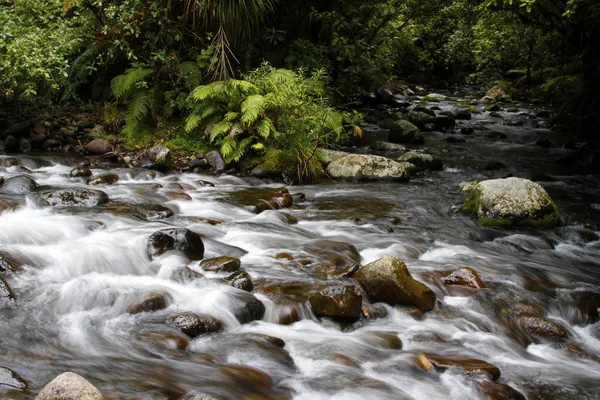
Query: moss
<point>471,205</point>
<point>512,109</point>
<point>432,99</point>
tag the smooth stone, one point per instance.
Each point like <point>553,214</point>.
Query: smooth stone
<point>466,365</point>
<point>215,160</point>
<point>21,184</point>
<point>69,386</point>
<point>339,303</point>
<point>176,239</point>
<point>193,324</point>
<point>241,280</point>
<point>98,147</point>
<point>160,158</point>
<point>80,172</point>
<point>464,276</point>
<point>165,340</point>
<point>247,376</point>
<point>107,179</point>
<point>422,160</point>
<point>368,167</point>
<point>151,302</point>
<point>388,340</point>
<point>185,275</point>
<point>221,264</point>
<point>542,328</point>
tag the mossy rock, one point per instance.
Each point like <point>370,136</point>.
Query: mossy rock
<point>510,202</point>
<point>422,161</point>
<point>512,109</point>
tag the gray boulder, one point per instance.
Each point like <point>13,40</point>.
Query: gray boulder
<point>326,156</point>
<point>69,386</point>
<point>215,160</point>
<point>367,167</point>
<point>159,158</point>
<point>388,280</point>
<point>405,132</point>
<point>510,202</point>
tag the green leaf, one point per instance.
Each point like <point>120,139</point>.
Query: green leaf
<point>251,108</point>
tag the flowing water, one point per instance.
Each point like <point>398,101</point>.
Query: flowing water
<point>82,267</point>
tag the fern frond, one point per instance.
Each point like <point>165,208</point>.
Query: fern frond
<point>258,146</point>
<point>251,108</point>
<point>214,90</point>
<point>264,128</point>
<point>231,116</point>
<point>239,150</point>
<point>228,145</point>
<point>235,130</point>
<point>218,129</point>
<point>240,86</point>
<point>283,76</point>
<point>125,85</point>
<point>202,116</point>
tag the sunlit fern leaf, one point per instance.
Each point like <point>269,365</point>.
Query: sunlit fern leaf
<point>219,129</point>
<point>214,90</point>
<point>283,76</point>
<point>264,127</point>
<point>258,146</point>
<point>125,84</point>
<point>238,150</point>
<point>240,86</point>
<point>139,107</point>
<point>251,108</point>
<point>231,116</point>
<point>227,147</point>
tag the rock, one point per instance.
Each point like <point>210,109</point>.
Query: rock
<point>151,302</point>
<point>241,280</point>
<point>443,122</point>
<point>7,265</point>
<point>405,132</point>
<point>496,114</point>
<point>178,239</point>
<point>387,340</point>
<point>464,276</point>
<point>425,110</point>
<point>387,123</point>
<point>98,147</point>
<point>510,202</point>
<point>388,280</point>
<point>20,184</point>
<point>499,93</point>
<point>73,198</point>
<point>80,172</point>
<point>454,139</point>
<point>467,131</point>
<point>8,162</point>
<point>69,386</point>
<point>497,391</point>
<point>19,130</point>
<point>387,146</point>
<point>586,306</point>
<point>24,145</point>
<point>220,264</point>
<point>50,144</point>
<point>462,115</point>
<point>262,199</point>
<point>98,131</point>
<point>435,97</point>
<point>249,308</point>
<point>326,156</point>
<point>367,167</point>
<point>215,160</point>
<point>9,143</point>
<point>341,303</point>
<point>159,158</point>
<point>151,211</point>
<point>384,96</point>
<point>198,163</point>
<point>246,376</point>
<point>466,365</point>
<point>496,135</point>
<point>198,396</point>
<point>542,328</point>
<point>375,311</point>
<point>10,380</point>
<point>422,160</point>
<point>492,108</point>
<point>104,180</point>
<point>6,293</point>
<point>165,340</point>
<point>419,118</point>
<point>85,124</point>
<point>193,324</point>
<point>185,275</point>
<point>334,257</point>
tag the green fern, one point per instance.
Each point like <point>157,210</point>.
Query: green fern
<point>251,108</point>
<point>126,84</point>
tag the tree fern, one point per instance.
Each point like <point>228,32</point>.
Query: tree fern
<point>214,90</point>
<point>251,108</point>
<point>126,84</point>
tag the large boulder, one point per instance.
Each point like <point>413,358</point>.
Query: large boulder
<point>159,157</point>
<point>21,184</point>
<point>510,202</point>
<point>178,239</point>
<point>340,302</point>
<point>388,280</point>
<point>405,132</point>
<point>326,156</point>
<point>98,147</point>
<point>367,167</point>
<point>69,386</point>
<point>422,160</point>
<point>498,93</point>
<point>72,198</point>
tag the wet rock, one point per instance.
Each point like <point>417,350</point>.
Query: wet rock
<point>198,396</point>
<point>464,276</point>
<point>387,146</point>
<point>51,144</point>
<point>497,391</point>
<point>159,158</point>
<point>332,256</point>
<point>8,162</point>
<point>24,145</point>
<point>249,308</point>
<point>443,122</point>
<point>261,199</point>
<point>73,198</point>
<point>185,275</point>
<point>388,280</point>
<point>467,131</point>
<point>326,156</point>
<point>107,179</point>
<point>422,160</point>
<point>178,239</point>
<point>10,380</point>
<point>585,311</point>
<point>454,139</point>
<point>542,328</point>
<point>468,366</point>
<point>498,93</point>
<point>496,135</point>
<point>340,303</point>
<point>151,302</point>
<point>17,130</point>
<point>80,172</point>
<point>220,264</point>
<point>405,132</point>
<point>388,340</point>
<point>375,311</point>
<point>496,114</point>
<point>545,143</point>
<point>7,264</point>
<point>510,202</point>
<point>85,124</point>
<point>69,386</point>
<point>241,280</point>
<point>21,184</point>
<point>419,118</point>
<point>152,211</point>
<point>165,340</point>
<point>384,96</point>
<point>215,160</point>
<point>6,293</point>
<point>425,110</point>
<point>98,147</point>
<point>193,324</point>
<point>462,115</point>
<point>246,376</point>
<point>343,360</point>
<point>367,167</point>
<point>206,183</point>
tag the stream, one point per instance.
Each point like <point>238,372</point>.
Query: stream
<point>81,268</point>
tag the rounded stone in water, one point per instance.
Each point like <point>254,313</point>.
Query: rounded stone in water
<point>180,239</point>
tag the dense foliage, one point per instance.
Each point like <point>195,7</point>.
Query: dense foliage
<point>145,58</point>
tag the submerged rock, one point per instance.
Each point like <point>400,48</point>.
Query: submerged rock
<point>6,293</point>
<point>466,365</point>
<point>246,376</point>
<point>248,308</point>
<point>178,239</point>
<point>10,380</point>
<point>193,324</point>
<point>422,160</point>
<point>21,184</point>
<point>165,340</point>
<point>387,146</point>
<point>69,386</point>
<point>464,276</point>
<point>367,167</point>
<point>241,280</point>
<point>107,179</point>
<point>151,302</point>
<point>388,280</point>
<point>185,275</point>
<point>340,302</point>
<point>221,264</point>
<point>542,328</point>
<point>73,198</point>
<point>510,202</point>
